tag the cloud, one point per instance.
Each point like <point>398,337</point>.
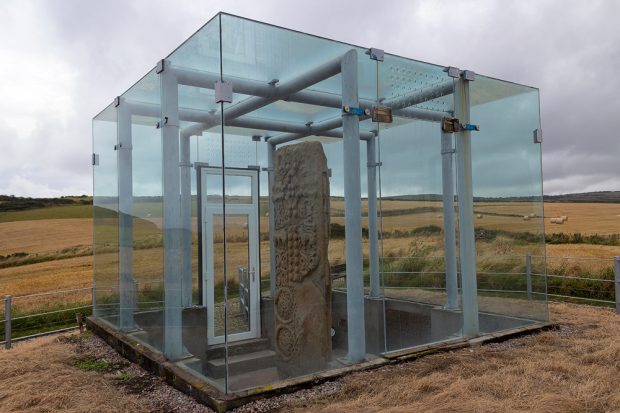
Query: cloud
<point>62,62</point>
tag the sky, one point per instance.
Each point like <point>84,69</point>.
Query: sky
<point>62,61</point>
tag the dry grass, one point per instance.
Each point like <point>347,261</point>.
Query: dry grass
<point>584,218</point>
<point>38,376</point>
<point>573,369</point>
<point>44,236</point>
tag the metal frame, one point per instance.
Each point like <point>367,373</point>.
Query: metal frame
<point>177,181</point>
<point>467,240</point>
<point>252,212</point>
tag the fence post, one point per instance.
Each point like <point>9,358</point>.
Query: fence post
<point>7,322</point>
<point>617,277</point>
<point>528,274</point>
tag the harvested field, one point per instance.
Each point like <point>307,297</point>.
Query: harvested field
<point>45,235</point>
<point>573,369</point>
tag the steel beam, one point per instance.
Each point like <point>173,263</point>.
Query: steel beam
<point>186,221</point>
<point>173,297</point>
<point>127,290</point>
<point>449,236</point>
<point>352,205</point>
<point>257,88</point>
<point>373,232</point>
<point>272,221</point>
<point>277,92</point>
<point>467,238</point>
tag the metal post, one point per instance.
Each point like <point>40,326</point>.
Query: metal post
<point>125,223</point>
<point>94,299</point>
<point>373,233</point>
<point>617,276</point>
<point>172,224</point>
<point>272,222</point>
<point>528,274</point>
<point>449,236</point>
<point>352,207</point>
<point>7,321</point>
<point>186,222</point>
<point>467,237</point>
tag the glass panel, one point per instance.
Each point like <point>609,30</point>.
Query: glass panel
<point>239,270</point>
<point>146,208</point>
<point>105,216</point>
<point>238,189</point>
<point>508,204</point>
<point>412,226</point>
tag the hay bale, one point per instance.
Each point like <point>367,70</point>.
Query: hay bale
<point>526,217</point>
<point>479,216</point>
<point>564,217</point>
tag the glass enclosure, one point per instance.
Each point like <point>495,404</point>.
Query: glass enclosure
<point>254,223</point>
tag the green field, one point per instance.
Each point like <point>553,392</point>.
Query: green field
<point>55,212</point>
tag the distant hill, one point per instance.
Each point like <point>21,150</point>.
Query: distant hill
<point>16,203</point>
<point>602,196</point>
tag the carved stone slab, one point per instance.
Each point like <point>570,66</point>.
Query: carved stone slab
<point>300,196</point>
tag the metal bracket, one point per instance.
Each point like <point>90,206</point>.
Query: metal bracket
<point>469,75</point>
<point>453,125</point>
<point>376,54</point>
<point>120,146</point>
<point>186,164</point>
<point>382,114</point>
<point>161,65</point>
<point>538,136</point>
<point>452,71</point>
<point>95,159</point>
<point>375,164</point>
<point>256,138</point>
<point>223,91</point>
<point>163,122</point>
<point>254,167</point>
<point>267,169</point>
<point>117,101</point>
<point>355,111</point>
<point>450,125</point>
<point>470,127</point>
<point>450,151</point>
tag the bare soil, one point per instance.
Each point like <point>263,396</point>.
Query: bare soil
<point>575,368</point>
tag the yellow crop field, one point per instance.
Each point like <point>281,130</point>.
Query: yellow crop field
<point>49,237</point>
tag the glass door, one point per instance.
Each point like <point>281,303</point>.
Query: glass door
<point>235,312</point>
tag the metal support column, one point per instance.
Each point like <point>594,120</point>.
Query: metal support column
<point>272,222</point>
<point>7,321</point>
<point>617,277</point>
<point>125,222</point>
<point>528,275</point>
<point>449,236</point>
<point>352,207</point>
<point>173,297</point>
<point>373,232</point>
<point>186,222</point>
<point>467,237</point>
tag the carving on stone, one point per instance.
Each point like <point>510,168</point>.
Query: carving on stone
<point>300,195</point>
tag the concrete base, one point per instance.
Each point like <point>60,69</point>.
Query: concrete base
<point>413,330</point>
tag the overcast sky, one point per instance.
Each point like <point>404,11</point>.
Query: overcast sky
<point>62,61</point>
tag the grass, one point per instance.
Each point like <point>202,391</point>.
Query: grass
<point>93,365</point>
<point>56,212</point>
<point>572,369</point>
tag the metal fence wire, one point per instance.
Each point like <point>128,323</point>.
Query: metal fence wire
<point>593,281</point>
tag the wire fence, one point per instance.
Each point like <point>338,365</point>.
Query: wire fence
<point>594,281</point>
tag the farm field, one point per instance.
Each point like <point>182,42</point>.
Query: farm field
<point>55,243</point>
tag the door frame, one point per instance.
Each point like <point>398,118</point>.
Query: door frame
<point>206,211</point>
